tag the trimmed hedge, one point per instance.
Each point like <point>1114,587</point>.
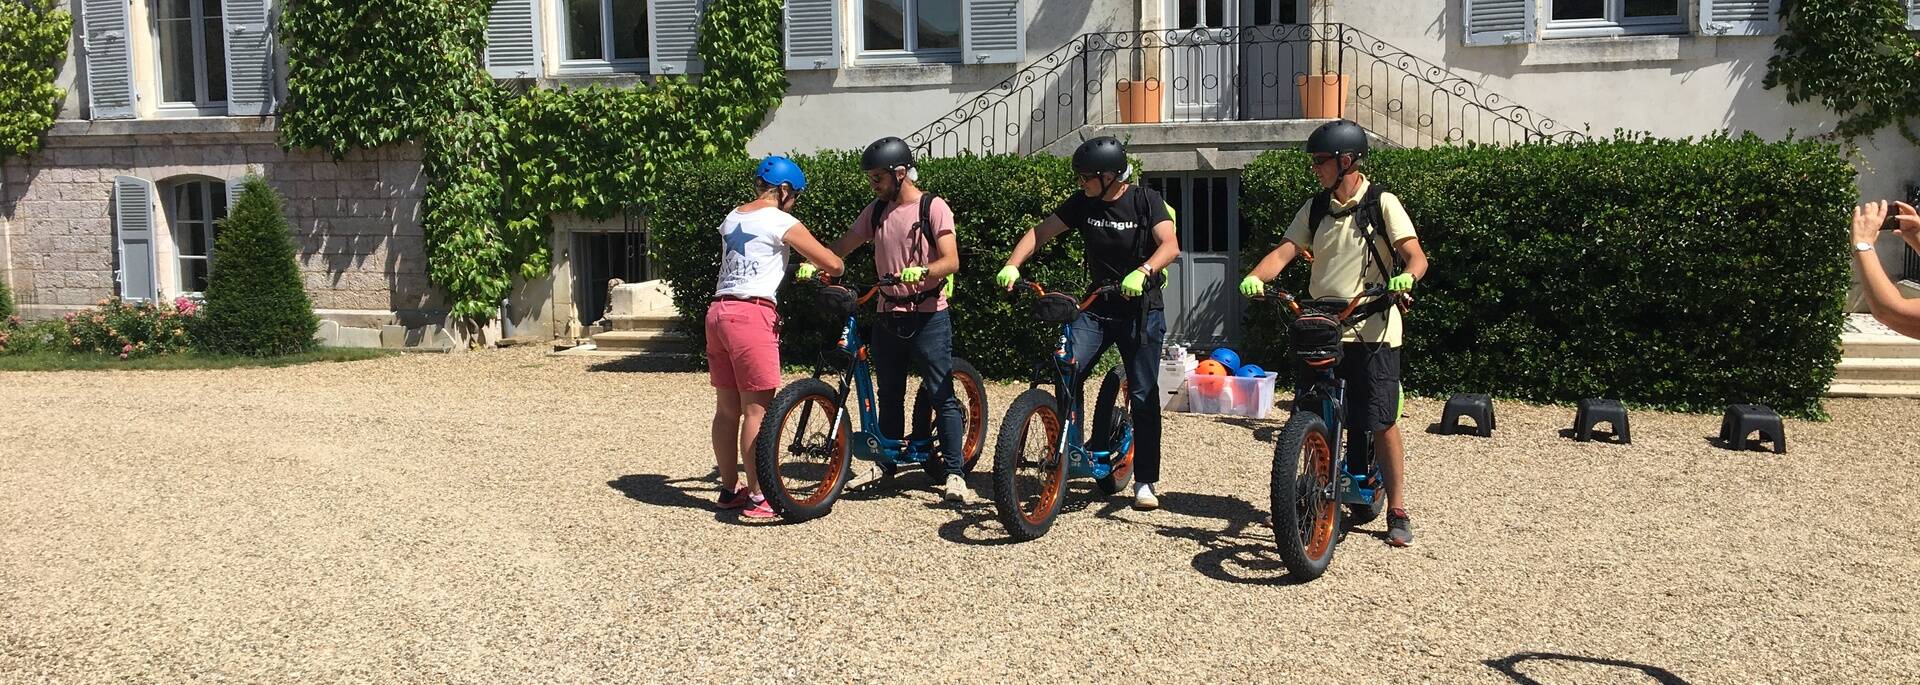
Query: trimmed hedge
<point>994,199</point>
<point>1677,274</point>
<point>256,303</point>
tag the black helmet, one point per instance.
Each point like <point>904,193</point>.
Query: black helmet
<point>1338,138</point>
<point>886,153</point>
<point>1103,154</point>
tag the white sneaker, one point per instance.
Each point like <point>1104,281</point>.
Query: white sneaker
<point>957,489</point>
<point>1143,497</point>
<point>864,477</point>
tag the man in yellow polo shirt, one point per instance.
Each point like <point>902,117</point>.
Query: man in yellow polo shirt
<point>1349,253</point>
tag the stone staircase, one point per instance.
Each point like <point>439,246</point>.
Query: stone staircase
<point>643,322</point>
<point>1876,362</point>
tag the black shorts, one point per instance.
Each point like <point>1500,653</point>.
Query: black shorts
<point>1372,373</point>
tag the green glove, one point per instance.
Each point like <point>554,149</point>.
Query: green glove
<point>1008,274</point>
<point>805,272</point>
<point>1134,284</point>
<point>1252,286</point>
<point>913,274</point>
<point>1400,284</point>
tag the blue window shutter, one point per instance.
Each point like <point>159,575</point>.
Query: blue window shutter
<point>993,32</point>
<point>109,58</point>
<point>1739,17</point>
<point>133,230</point>
<point>1498,22</point>
<point>513,39</point>
<point>676,35</point>
<point>813,34</point>
<point>249,44</point>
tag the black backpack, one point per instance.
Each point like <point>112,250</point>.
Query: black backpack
<point>879,216</point>
<point>1373,223</point>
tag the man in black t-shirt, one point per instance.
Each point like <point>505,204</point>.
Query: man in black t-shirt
<point>1129,240</point>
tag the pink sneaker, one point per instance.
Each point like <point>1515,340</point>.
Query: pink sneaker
<point>732,499</point>
<point>760,509</point>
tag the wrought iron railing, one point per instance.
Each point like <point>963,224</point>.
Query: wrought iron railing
<point>1242,73</point>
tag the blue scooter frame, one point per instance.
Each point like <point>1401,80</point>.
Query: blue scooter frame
<point>821,439</point>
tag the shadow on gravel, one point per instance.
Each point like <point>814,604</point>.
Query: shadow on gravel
<point>908,478</point>
<point>1264,430</point>
<point>1753,445</point>
<point>686,493</point>
<point>661,491</point>
<point>1599,436</point>
<point>1240,552</point>
<point>647,364</point>
<point>1509,667</point>
<point>978,524</point>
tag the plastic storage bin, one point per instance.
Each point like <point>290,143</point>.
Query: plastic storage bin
<point>1249,397</point>
<point>1173,382</point>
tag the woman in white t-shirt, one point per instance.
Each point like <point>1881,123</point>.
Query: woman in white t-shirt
<point>743,349</point>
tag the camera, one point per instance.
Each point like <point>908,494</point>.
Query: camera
<point>1892,223</point>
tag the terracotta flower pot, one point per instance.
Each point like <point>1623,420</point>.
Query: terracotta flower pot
<point>1323,96</point>
<point>1139,100</point>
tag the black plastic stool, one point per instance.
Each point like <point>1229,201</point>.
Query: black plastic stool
<point>1595,411</point>
<point>1743,420</point>
<point>1476,407</point>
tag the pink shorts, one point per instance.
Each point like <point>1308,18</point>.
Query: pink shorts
<point>743,352</point>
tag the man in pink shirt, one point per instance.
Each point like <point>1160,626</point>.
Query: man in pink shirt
<point>914,326</point>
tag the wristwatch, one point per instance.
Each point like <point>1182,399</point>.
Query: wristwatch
<point>1862,247</point>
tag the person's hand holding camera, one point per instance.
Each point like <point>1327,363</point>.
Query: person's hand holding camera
<point>1903,219</point>
<point>1870,218</point>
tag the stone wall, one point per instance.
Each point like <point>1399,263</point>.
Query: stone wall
<point>356,221</point>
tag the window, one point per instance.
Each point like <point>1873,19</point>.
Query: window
<point>605,34</point>
<point>910,30</point>
<point>1593,18</point>
<point>190,38</point>
<point>192,208</point>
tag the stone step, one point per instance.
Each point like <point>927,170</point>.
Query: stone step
<point>1873,389</point>
<point>1860,346</point>
<point>650,321</point>
<point>649,297</point>
<point>1880,369</point>
<point>644,341</point>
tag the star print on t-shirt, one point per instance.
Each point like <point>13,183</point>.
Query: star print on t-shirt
<point>737,240</point>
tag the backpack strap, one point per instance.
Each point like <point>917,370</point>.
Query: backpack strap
<point>1372,222</point>
<point>926,231</point>
<point>1142,247</point>
<point>1317,211</point>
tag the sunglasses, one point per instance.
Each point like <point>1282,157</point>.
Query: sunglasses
<point>1323,159</point>
<point>1088,176</point>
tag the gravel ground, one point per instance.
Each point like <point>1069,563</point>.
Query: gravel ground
<point>511,517</point>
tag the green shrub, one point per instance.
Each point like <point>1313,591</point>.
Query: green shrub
<point>256,304</point>
<point>6,301</point>
<point>1676,274</point>
<point>36,34</point>
<point>1856,57</point>
<point>994,200</point>
<point>39,336</point>
<point>115,327</point>
<point>1668,273</point>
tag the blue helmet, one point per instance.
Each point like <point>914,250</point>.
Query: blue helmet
<point>776,170</point>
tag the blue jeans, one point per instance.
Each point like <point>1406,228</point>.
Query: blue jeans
<point>1140,354</point>
<point>926,341</point>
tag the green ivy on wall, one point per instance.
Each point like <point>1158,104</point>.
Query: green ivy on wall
<point>36,34</point>
<point>366,74</point>
<point>1854,56</point>
<point>500,163</point>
